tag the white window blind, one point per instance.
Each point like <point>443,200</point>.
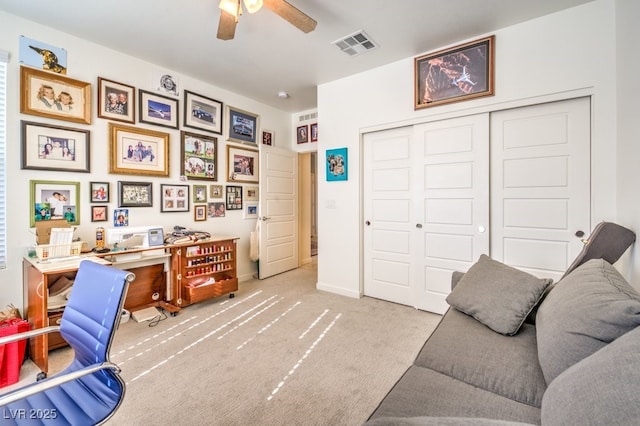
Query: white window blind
<point>4,59</point>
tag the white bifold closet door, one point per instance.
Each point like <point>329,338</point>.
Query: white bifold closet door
<point>512,184</point>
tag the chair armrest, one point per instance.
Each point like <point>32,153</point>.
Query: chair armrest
<point>28,334</point>
<point>55,381</point>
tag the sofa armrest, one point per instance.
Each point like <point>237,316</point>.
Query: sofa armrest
<point>455,278</point>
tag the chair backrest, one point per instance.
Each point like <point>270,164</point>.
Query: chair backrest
<point>93,311</point>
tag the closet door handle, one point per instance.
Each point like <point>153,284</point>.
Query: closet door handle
<point>418,225</point>
<point>367,223</point>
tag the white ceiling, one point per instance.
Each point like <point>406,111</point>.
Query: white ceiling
<point>268,54</point>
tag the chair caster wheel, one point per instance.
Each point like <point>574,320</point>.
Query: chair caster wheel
<point>231,296</point>
<point>41,376</point>
<point>173,314</point>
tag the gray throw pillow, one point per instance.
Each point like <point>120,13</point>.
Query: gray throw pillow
<point>584,312</point>
<point>497,295</point>
<point>602,389</point>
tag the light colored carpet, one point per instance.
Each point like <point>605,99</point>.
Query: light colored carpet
<point>280,352</point>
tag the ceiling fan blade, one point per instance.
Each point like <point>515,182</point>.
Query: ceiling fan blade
<point>292,14</point>
<point>226,26</point>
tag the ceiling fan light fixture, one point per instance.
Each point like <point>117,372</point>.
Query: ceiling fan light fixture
<point>253,5</point>
<point>232,7</point>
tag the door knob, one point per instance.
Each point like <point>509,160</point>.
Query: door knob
<point>367,223</point>
<point>264,218</point>
<point>418,225</point>
<point>579,234</point>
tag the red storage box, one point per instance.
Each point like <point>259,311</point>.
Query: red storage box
<point>12,354</point>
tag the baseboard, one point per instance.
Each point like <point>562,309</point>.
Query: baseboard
<point>338,290</point>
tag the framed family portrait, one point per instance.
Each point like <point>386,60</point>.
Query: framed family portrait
<point>314,132</point>
<point>302,134</point>
<point>175,198</point>
<point>242,165</point>
<point>121,217</point>
<point>99,192</point>
<point>56,148</point>
<point>135,194</point>
<point>116,101</point>
<point>215,209</point>
<point>198,156</point>
<point>199,193</point>
<point>200,212</point>
<point>203,113</point>
<point>136,151</point>
<point>157,109</point>
<point>455,74</point>
<point>234,197</point>
<point>99,213</point>
<point>54,200</point>
<point>50,95</point>
<point>242,126</point>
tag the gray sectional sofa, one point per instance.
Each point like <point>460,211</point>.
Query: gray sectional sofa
<point>493,360</point>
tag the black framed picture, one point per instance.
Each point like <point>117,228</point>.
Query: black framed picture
<point>135,194</point>
<point>234,197</point>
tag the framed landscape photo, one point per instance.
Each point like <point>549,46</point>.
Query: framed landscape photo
<point>302,133</point>
<point>234,197</point>
<point>242,126</point>
<point>60,199</point>
<point>175,198</point>
<point>455,74</point>
<point>99,192</point>
<point>198,156</point>
<point>135,194</point>
<point>250,211</point>
<point>50,95</point>
<point>201,112</point>
<point>116,101</point>
<point>99,213</point>
<point>242,165</point>
<point>136,151</point>
<point>157,109</point>
<point>56,148</point>
<point>200,212</point>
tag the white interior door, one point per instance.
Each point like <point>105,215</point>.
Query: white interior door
<point>452,208</point>
<point>277,211</point>
<point>389,226</point>
<point>540,188</point>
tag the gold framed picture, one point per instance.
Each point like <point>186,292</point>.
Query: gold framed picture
<point>50,95</point>
<point>136,151</point>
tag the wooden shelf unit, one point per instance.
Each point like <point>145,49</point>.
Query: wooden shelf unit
<point>204,269</point>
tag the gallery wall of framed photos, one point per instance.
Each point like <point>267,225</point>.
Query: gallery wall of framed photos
<point>139,138</point>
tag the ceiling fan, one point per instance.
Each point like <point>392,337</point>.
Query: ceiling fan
<point>230,11</point>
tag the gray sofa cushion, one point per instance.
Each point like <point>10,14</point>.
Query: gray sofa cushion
<point>584,312</point>
<point>424,392</point>
<point>497,295</point>
<point>602,389</point>
<point>466,350</point>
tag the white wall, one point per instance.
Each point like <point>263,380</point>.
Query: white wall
<point>87,62</point>
<point>566,54</point>
<point>628,113</point>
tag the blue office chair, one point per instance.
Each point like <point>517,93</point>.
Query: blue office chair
<point>89,390</point>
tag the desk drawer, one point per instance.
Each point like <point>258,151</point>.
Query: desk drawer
<point>55,339</point>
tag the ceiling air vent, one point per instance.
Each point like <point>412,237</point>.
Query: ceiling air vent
<point>356,43</point>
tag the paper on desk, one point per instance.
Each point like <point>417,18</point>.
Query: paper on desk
<point>60,236</point>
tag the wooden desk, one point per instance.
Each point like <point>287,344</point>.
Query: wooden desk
<point>152,287</point>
